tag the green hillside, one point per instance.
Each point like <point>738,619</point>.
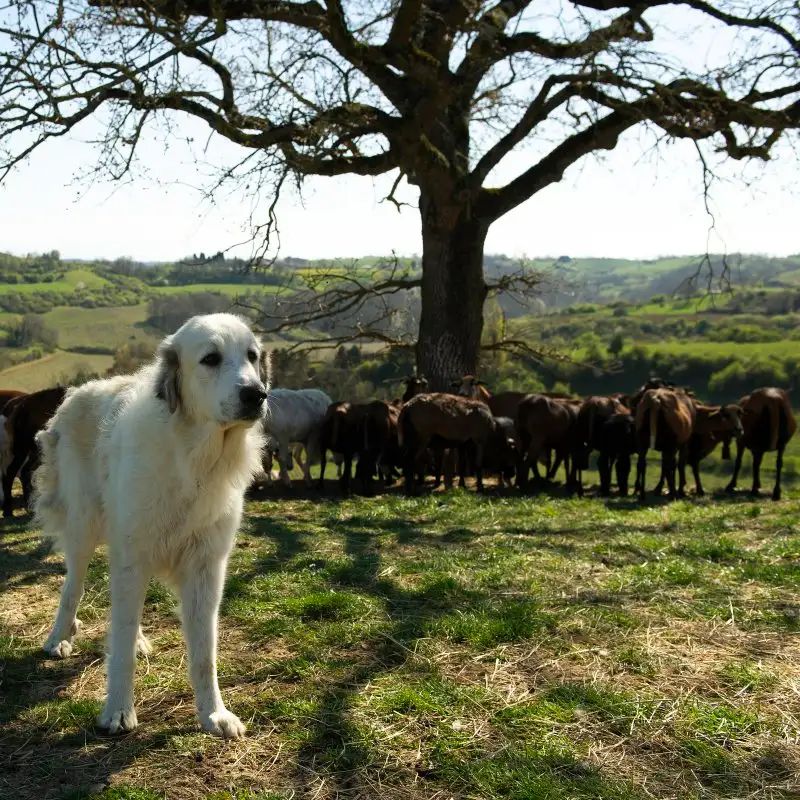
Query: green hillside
<point>620,318</point>
<point>99,327</point>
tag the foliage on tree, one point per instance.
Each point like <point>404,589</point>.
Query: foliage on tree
<point>436,92</point>
<point>32,329</point>
<point>132,355</point>
<point>169,312</point>
<point>617,343</point>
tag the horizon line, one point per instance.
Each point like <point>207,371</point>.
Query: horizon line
<point>416,256</point>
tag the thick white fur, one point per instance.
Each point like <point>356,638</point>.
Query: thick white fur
<point>156,464</point>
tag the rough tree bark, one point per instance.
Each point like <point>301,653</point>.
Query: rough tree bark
<point>453,292</point>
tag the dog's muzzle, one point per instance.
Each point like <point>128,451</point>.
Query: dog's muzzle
<point>251,398</point>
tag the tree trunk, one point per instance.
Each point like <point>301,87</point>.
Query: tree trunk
<point>453,293</point>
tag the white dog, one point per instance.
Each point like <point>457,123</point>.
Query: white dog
<point>156,464</point>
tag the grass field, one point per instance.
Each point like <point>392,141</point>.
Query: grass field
<point>448,646</point>
<point>72,280</point>
<point>99,327</point>
<point>34,375</point>
<point>782,349</point>
<point>705,348</point>
<point>232,289</point>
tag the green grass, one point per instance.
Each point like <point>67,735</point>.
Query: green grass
<point>232,289</point>
<point>708,349</point>
<point>452,645</point>
<point>34,375</point>
<point>682,307</point>
<point>99,327</point>
<point>699,347</point>
<point>72,280</point>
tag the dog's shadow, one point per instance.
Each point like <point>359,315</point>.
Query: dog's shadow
<point>49,743</point>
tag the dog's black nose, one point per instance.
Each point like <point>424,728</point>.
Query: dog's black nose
<point>252,396</point>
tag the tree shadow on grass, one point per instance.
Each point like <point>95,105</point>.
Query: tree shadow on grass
<point>22,562</point>
<point>343,754</point>
<point>349,759</point>
<point>289,541</point>
<point>48,742</point>
<point>338,752</point>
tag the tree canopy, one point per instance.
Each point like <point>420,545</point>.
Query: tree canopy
<point>438,92</point>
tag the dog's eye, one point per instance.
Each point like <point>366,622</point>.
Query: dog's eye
<point>252,356</point>
<point>211,360</point>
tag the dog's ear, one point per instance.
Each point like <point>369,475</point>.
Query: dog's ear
<point>265,367</point>
<point>168,386</point>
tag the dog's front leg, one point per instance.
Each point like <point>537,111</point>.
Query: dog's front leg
<point>201,593</point>
<point>128,585</point>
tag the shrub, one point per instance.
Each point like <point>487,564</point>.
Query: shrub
<point>29,330</point>
<point>81,373</point>
<point>131,356</point>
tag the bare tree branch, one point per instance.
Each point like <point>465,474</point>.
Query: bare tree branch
<point>440,90</point>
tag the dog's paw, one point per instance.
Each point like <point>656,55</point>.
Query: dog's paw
<point>143,646</point>
<point>57,648</point>
<point>224,724</point>
<point>118,720</point>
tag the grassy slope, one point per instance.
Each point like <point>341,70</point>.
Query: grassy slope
<point>34,375</point>
<point>606,277</point>
<point>701,347</point>
<point>79,327</point>
<point>741,350</point>
<point>232,289</point>
<point>98,327</point>
<point>112,327</point>
<point>72,278</point>
<point>448,646</point>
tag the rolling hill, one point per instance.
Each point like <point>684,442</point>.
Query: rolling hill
<point>95,308</point>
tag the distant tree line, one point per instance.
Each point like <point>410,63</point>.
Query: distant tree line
<point>169,312</point>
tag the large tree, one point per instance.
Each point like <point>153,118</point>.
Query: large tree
<point>437,91</point>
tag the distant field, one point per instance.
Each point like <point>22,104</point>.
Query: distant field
<point>232,289</point>
<point>45,372</point>
<point>782,349</point>
<point>70,282</point>
<point>792,277</point>
<point>695,305</point>
<point>98,327</point>
<point>701,347</point>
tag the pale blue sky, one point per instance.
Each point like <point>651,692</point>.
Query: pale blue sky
<point>617,208</point>
<point>635,204</point>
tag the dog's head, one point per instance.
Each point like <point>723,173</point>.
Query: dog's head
<point>214,369</point>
